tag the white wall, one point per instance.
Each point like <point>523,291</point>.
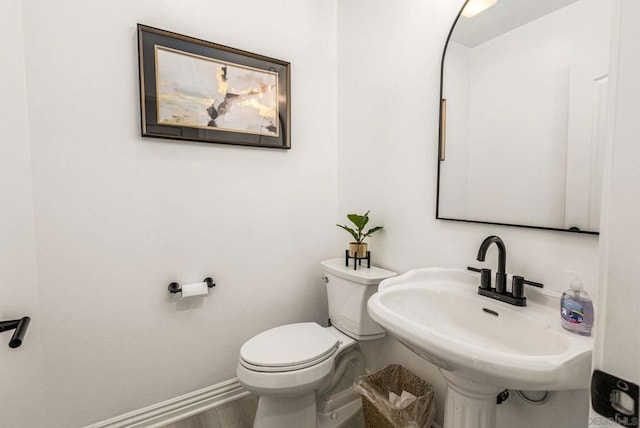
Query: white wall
<point>388,86</point>
<point>20,368</point>
<point>119,217</point>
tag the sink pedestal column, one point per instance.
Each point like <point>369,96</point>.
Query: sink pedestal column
<point>469,404</point>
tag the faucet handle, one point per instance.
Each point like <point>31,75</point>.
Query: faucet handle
<point>535,284</point>
<point>485,277</point>
<point>517,285</point>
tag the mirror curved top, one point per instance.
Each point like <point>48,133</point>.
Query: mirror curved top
<point>523,114</point>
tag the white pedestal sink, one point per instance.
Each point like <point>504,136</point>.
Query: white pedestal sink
<point>482,346</point>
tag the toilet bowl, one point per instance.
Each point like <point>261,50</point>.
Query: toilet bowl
<point>288,388</point>
<point>295,368</point>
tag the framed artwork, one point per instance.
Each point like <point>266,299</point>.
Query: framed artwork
<point>195,90</point>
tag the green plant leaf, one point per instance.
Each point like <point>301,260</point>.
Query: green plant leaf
<point>373,230</point>
<point>365,219</point>
<point>360,221</point>
<point>357,220</point>
<point>351,231</point>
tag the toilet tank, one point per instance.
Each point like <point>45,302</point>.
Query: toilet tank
<point>348,291</point>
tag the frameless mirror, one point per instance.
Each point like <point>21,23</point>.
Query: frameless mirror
<point>523,112</point>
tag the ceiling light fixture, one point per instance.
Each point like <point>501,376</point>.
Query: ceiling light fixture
<point>475,7</point>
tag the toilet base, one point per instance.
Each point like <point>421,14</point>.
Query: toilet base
<point>338,417</point>
<point>274,412</point>
<point>283,412</point>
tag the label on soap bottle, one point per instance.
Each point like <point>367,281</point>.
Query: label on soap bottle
<point>572,311</point>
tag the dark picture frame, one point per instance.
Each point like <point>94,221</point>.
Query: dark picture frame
<point>195,90</point>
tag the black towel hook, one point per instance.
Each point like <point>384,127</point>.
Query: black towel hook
<point>20,326</point>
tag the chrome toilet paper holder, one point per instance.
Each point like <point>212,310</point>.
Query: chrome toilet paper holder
<point>175,287</point>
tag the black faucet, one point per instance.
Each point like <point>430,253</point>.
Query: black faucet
<point>501,274</point>
<point>516,295</point>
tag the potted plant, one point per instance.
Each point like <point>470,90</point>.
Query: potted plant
<point>358,248</point>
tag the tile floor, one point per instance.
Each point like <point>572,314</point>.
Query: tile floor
<point>238,414</point>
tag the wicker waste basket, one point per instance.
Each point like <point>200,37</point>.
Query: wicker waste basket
<point>378,410</point>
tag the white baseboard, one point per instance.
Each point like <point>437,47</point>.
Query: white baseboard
<point>176,409</point>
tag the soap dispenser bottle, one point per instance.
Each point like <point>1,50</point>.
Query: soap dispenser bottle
<point>576,308</point>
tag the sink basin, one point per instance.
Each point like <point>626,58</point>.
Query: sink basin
<point>438,314</point>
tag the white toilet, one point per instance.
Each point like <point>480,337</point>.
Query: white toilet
<point>294,367</point>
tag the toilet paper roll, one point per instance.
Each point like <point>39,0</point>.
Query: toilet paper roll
<point>195,289</point>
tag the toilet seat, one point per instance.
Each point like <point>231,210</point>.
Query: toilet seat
<point>289,347</point>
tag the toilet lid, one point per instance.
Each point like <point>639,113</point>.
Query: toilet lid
<point>288,347</point>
